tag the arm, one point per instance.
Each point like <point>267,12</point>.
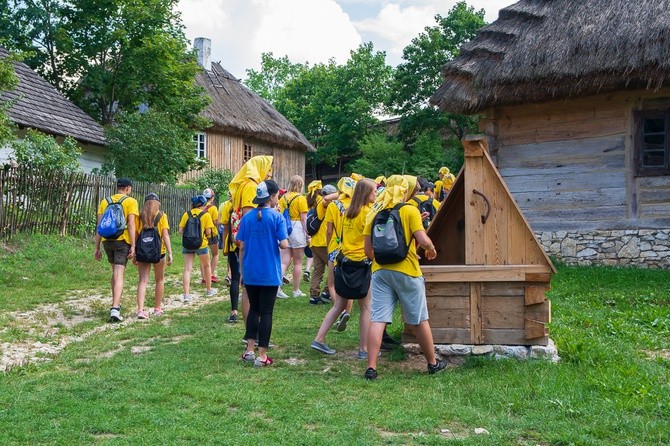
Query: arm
<point>240,251</point>
<point>168,245</point>
<point>329,231</point>
<point>327,199</point>
<point>423,241</point>
<point>283,244</point>
<point>96,253</point>
<point>133,235</point>
<point>224,236</point>
<point>303,222</point>
<point>369,252</point>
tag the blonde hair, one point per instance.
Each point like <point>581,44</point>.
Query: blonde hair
<point>361,197</point>
<point>296,184</point>
<point>149,211</point>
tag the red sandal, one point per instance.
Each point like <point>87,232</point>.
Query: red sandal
<point>260,363</point>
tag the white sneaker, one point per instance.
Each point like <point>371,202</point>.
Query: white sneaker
<point>115,315</point>
<point>186,298</point>
<point>281,294</point>
<point>211,292</point>
<point>299,294</point>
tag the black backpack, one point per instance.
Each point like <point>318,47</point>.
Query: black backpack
<point>149,243</point>
<point>313,222</point>
<point>388,237</point>
<point>192,235</point>
<point>426,206</point>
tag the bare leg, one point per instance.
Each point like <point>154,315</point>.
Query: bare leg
<point>117,284</point>
<point>296,254</point>
<point>144,271</point>
<point>364,323</point>
<point>159,276</point>
<point>215,259</point>
<point>188,266</point>
<point>330,319</point>
<point>204,266</point>
<point>374,342</point>
<point>425,338</point>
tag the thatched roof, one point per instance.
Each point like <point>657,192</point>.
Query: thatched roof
<point>237,110</point>
<point>540,50</point>
<point>37,104</point>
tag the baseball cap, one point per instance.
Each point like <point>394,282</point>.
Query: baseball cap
<point>123,182</point>
<point>264,190</point>
<point>328,189</point>
<point>199,200</point>
<point>151,196</point>
<point>208,193</point>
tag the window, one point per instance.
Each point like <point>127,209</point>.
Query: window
<point>200,141</point>
<point>248,153</point>
<point>652,142</point>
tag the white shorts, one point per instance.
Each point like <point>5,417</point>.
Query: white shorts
<point>297,238</point>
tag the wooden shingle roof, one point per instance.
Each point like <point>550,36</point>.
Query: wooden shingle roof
<point>38,105</point>
<point>541,50</point>
<point>237,110</point>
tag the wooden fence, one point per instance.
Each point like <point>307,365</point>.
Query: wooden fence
<point>48,202</point>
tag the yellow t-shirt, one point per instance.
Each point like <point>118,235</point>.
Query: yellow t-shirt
<point>213,212</point>
<point>298,205</point>
<point>334,216</point>
<point>411,223</point>
<point>353,240</point>
<point>205,223</point>
<point>319,239</point>
<point>129,206</point>
<point>448,181</point>
<point>438,188</point>
<point>224,212</point>
<point>162,224</point>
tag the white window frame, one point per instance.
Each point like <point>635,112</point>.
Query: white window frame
<point>200,140</point>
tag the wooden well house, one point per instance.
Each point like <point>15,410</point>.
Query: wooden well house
<point>488,282</point>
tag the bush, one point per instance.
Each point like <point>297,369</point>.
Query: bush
<point>217,179</point>
<point>43,151</point>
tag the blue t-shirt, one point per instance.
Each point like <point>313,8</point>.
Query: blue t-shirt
<point>261,262</point>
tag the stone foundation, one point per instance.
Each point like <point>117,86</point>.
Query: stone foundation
<point>647,248</point>
<point>548,352</point>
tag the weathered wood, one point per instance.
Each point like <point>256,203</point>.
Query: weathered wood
<point>445,289</point>
<point>540,312</point>
<point>503,289</point>
<point>448,336</point>
<point>502,312</point>
<point>535,329</point>
<point>476,316</point>
<point>535,294</point>
<point>481,273</point>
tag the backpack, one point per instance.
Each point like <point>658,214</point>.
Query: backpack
<point>149,243</point>
<point>313,222</point>
<point>388,237</point>
<point>342,209</point>
<point>113,220</point>
<point>426,206</point>
<point>443,193</point>
<point>287,216</point>
<point>192,235</point>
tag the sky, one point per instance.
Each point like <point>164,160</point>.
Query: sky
<point>313,31</point>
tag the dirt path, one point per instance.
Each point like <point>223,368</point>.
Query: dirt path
<point>44,331</point>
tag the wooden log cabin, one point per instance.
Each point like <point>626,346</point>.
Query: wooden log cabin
<point>244,125</point>
<point>487,284</point>
<point>574,98</point>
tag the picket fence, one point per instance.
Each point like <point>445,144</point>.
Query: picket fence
<point>49,202</point>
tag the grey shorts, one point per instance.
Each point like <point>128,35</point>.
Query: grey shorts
<point>197,252</point>
<point>389,287</point>
<point>117,251</point>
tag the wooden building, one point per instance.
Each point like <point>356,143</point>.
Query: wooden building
<point>487,284</point>
<point>574,97</point>
<point>244,125</point>
<point>36,104</point>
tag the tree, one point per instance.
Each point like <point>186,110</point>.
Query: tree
<point>40,150</point>
<point>217,179</point>
<point>273,75</point>
<point>416,79</point>
<point>8,81</point>
<point>379,156</point>
<point>151,147</point>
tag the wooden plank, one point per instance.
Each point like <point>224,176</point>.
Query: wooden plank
<point>538,277</point>
<point>447,336</point>
<point>474,146</point>
<point>503,312</point>
<point>452,318</point>
<point>535,294</point>
<point>535,329</point>
<point>553,200</point>
<point>539,312</point>
<point>482,273</point>
<point>503,289</point>
<point>476,322</point>
<point>507,336</point>
<point>447,289</point>
<point>448,303</point>
<point>475,207</point>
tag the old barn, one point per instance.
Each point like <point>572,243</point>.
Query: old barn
<point>574,98</point>
<point>244,125</point>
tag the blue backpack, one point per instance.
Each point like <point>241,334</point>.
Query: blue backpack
<point>113,220</point>
<point>287,217</point>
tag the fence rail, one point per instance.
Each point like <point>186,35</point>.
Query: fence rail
<point>48,202</point>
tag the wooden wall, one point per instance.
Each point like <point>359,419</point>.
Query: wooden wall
<point>227,152</point>
<point>570,164</point>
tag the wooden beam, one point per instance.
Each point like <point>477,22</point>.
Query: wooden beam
<point>535,294</point>
<point>535,329</point>
<point>476,309</point>
<point>486,273</point>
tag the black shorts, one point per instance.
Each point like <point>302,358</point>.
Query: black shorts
<point>117,251</point>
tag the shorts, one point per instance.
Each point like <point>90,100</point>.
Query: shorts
<point>117,251</point>
<point>297,238</point>
<point>198,252</point>
<point>308,252</point>
<point>388,287</point>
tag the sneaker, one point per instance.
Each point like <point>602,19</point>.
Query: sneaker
<point>341,323</point>
<point>305,276</point>
<point>388,343</point>
<point>315,300</point>
<point>323,348</point>
<point>370,374</point>
<point>439,365</point>
<point>260,363</point>
<point>285,280</point>
<point>115,315</point>
<point>248,356</point>
<point>299,294</point>
<point>215,279</point>
<point>186,298</point>
<point>158,311</point>
<point>281,294</point>
<point>228,280</point>
<point>142,314</point>
<point>211,292</point>
<point>232,319</point>
<point>364,355</point>
<point>325,298</point>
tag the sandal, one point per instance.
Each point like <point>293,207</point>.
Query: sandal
<point>260,363</point>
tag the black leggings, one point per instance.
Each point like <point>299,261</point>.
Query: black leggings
<point>234,280</point>
<point>261,305</point>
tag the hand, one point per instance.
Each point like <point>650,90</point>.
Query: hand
<point>131,253</point>
<point>97,254</point>
<point>425,215</point>
<point>431,253</point>
<point>169,259</point>
<point>134,261</point>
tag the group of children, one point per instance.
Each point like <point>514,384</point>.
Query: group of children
<point>262,230</point>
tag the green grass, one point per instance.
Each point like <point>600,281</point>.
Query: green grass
<point>191,388</point>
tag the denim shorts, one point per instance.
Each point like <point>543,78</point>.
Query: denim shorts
<point>388,287</point>
<point>198,252</point>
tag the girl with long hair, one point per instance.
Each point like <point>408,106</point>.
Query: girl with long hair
<point>296,203</point>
